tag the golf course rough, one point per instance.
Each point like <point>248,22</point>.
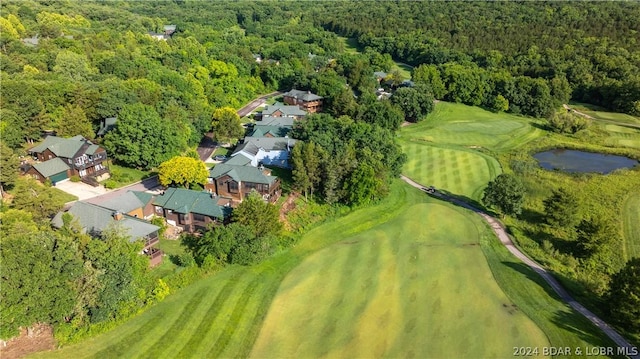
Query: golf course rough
<point>416,286</point>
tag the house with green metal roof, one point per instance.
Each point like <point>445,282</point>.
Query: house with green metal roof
<point>94,219</point>
<point>269,131</point>
<point>279,109</point>
<point>83,158</point>
<point>192,210</point>
<point>56,170</point>
<point>236,178</point>
<point>137,204</point>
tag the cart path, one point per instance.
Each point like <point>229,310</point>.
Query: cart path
<point>499,230</point>
<point>623,124</point>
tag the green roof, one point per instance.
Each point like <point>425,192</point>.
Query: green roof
<point>303,95</point>
<point>288,110</point>
<point>273,131</point>
<point>241,173</point>
<point>276,121</point>
<point>144,197</point>
<point>51,167</point>
<point>94,219</point>
<point>187,201</point>
<point>238,160</point>
<point>61,147</point>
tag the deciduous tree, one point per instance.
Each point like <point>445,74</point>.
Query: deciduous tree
<point>262,217</point>
<point>182,171</point>
<point>227,125</point>
<point>624,296</point>
<point>74,122</point>
<point>506,192</point>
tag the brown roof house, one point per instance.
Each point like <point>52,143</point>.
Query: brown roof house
<point>192,210</point>
<point>236,178</point>
<point>304,99</point>
<point>60,158</point>
<point>94,219</point>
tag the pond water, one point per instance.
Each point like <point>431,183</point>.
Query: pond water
<point>580,161</point>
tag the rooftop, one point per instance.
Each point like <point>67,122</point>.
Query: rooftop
<point>242,173</point>
<point>287,110</point>
<point>306,96</point>
<point>95,219</point>
<point>187,201</point>
<point>63,147</point>
<point>51,167</point>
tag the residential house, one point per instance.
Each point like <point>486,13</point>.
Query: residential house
<point>279,109</point>
<point>106,125</point>
<point>283,121</point>
<point>94,220</point>
<point>380,76</point>
<point>304,99</point>
<point>269,131</point>
<point>167,32</point>
<point>136,204</point>
<point>236,178</point>
<point>192,210</point>
<point>274,151</point>
<point>82,157</point>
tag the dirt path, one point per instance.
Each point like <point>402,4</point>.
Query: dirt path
<point>499,230</point>
<point>37,338</point>
<point>288,206</point>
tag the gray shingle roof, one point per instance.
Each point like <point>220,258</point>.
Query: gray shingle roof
<point>187,201</point>
<point>51,167</point>
<point>106,125</point>
<point>125,202</point>
<point>270,143</point>
<point>94,219</point>
<point>306,96</point>
<point>239,160</point>
<point>241,173</point>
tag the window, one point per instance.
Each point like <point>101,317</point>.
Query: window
<point>233,186</point>
<point>198,217</point>
<point>249,186</point>
<point>158,209</point>
<point>182,218</point>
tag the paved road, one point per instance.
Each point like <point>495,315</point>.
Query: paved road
<point>206,147</point>
<point>506,241</point>
<point>246,109</point>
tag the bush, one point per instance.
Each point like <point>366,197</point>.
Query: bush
<point>160,222</point>
<point>185,260</point>
<point>75,178</point>
<point>110,184</point>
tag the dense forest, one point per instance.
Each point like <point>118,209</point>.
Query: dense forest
<point>591,49</point>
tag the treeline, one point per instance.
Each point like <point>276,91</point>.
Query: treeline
<point>593,46</point>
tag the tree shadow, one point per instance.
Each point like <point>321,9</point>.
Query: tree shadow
<point>532,276</point>
<point>577,324</point>
<point>531,216</point>
<point>539,126</point>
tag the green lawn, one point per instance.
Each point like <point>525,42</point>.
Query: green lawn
<point>404,69</point>
<point>220,151</point>
<point>631,221</point>
<point>406,277</point>
<point>458,124</point>
<point>125,176</point>
<point>622,136</point>
<point>458,170</point>
<point>415,286</point>
<point>63,196</point>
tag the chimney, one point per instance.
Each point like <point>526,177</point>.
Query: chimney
<point>117,215</point>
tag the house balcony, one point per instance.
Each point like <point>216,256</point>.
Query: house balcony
<point>155,256</point>
<point>151,241</point>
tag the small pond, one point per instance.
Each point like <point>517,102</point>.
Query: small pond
<point>580,161</point>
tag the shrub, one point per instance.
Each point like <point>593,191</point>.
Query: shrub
<point>110,184</point>
<point>75,178</point>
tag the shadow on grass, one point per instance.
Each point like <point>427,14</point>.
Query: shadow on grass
<point>575,323</point>
<point>532,276</point>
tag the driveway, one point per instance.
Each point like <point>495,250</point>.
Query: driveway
<point>81,190</point>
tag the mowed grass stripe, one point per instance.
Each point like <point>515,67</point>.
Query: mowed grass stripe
<point>131,346</point>
<point>208,320</point>
<point>631,223</point>
<point>457,170</point>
